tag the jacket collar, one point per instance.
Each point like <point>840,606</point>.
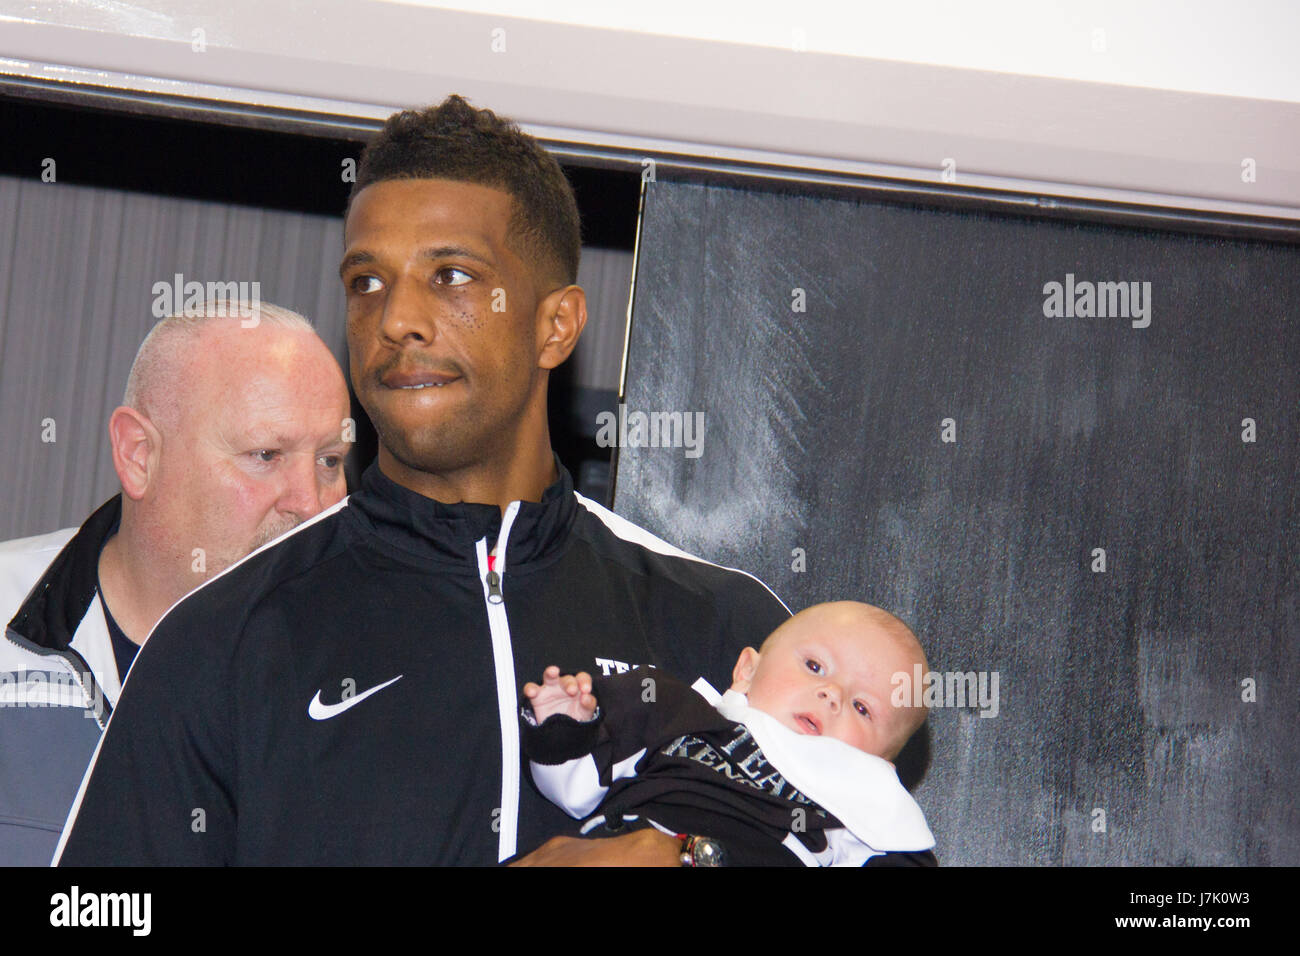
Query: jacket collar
<point>432,529</point>
<point>54,608</point>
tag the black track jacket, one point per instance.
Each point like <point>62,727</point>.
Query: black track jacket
<point>349,693</point>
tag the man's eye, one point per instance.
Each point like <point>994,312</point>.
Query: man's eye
<point>813,666</point>
<point>266,455</point>
<point>366,284</point>
<point>453,276</point>
<point>330,461</point>
<point>861,708</point>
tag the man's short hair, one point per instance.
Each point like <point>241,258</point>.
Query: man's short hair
<point>456,141</point>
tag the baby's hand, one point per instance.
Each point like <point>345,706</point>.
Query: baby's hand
<point>570,694</point>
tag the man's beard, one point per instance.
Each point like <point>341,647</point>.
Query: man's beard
<point>273,531</point>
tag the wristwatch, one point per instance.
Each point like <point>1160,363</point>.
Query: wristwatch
<point>701,851</point>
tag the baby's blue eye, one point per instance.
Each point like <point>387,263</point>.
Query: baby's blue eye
<point>813,666</point>
<point>861,708</point>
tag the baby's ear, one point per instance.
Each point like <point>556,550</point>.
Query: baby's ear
<point>743,673</point>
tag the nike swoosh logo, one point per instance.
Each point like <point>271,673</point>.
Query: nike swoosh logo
<point>318,711</point>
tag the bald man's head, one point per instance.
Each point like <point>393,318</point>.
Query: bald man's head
<point>177,345</point>
<point>234,430</point>
<point>830,669</point>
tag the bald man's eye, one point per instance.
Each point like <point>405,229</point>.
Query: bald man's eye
<point>265,455</point>
<point>813,666</point>
<point>366,284</point>
<point>331,462</point>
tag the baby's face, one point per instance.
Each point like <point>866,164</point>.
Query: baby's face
<point>828,679</point>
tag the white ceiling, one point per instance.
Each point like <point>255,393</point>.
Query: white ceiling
<point>1163,107</point>
<point>1196,46</point>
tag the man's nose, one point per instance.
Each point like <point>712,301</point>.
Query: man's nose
<point>302,493</point>
<point>406,314</point>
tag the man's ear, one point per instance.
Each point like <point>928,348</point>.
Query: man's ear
<point>743,673</point>
<point>564,315</point>
<point>136,444</point>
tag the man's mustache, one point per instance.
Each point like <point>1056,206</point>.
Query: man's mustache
<point>403,363</point>
<point>271,532</point>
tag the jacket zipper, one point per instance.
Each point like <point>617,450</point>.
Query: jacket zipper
<point>71,659</point>
<point>503,657</point>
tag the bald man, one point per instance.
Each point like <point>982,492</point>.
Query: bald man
<point>791,766</point>
<point>229,435</point>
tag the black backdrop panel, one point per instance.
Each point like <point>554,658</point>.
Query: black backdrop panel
<point>1147,713</point>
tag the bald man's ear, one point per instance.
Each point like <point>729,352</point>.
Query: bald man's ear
<point>136,444</point>
<point>563,316</point>
<point>742,675</point>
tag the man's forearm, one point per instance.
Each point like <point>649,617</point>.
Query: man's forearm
<point>646,847</point>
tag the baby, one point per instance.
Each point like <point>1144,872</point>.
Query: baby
<point>791,765</point>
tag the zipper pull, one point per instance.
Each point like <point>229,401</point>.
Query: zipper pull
<point>494,588</point>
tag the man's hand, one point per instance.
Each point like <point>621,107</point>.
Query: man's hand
<point>646,847</point>
<point>570,694</point>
